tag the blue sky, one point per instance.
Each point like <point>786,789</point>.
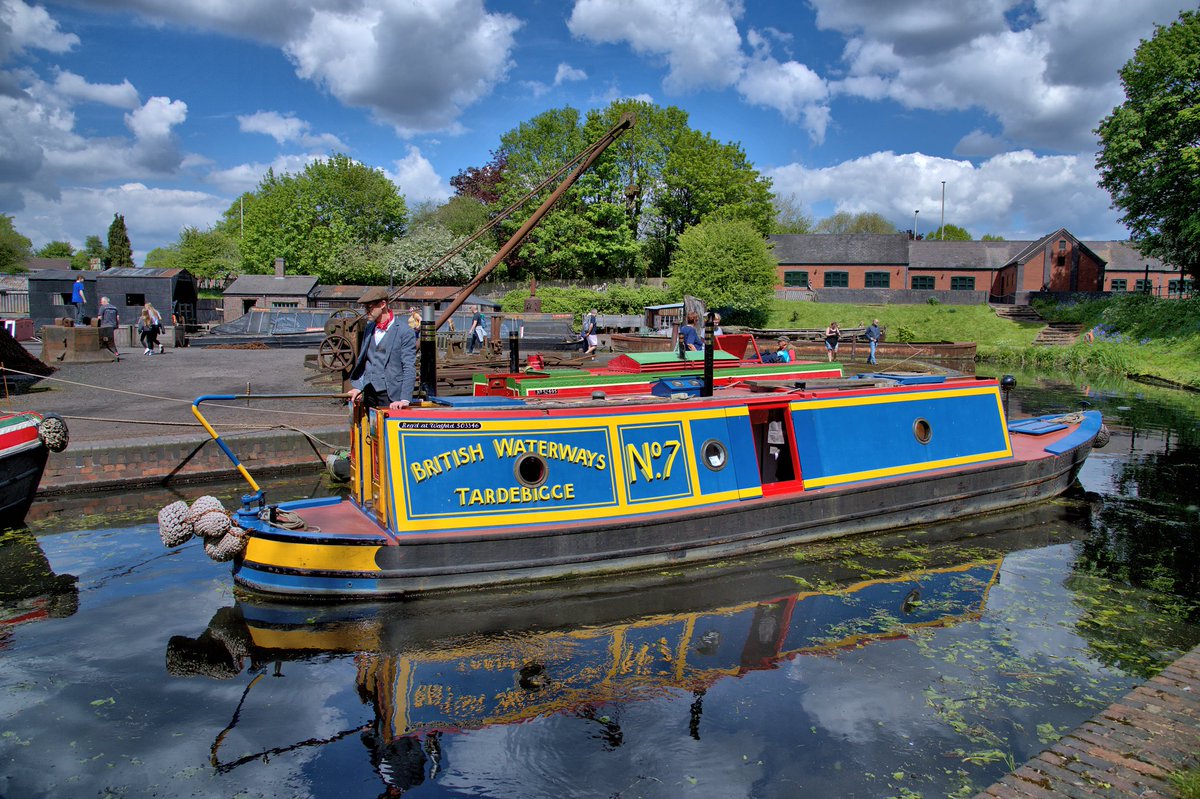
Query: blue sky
<point>166,110</point>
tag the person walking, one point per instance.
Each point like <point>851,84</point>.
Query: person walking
<point>832,334</point>
<point>591,332</point>
<point>78,298</point>
<point>385,372</point>
<point>149,327</point>
<point>477,333</point>
<point>110,319</point>
<point>874,334</point>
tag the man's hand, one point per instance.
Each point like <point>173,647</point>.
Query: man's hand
<point>399,405</point>
<point>355,395</point>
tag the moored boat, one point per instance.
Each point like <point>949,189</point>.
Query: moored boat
<point>26,440</point>
<point>471,491</point>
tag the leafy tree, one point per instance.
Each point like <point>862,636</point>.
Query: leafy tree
<point>14,248</point>
<point>309,218</point>
<point>991,237</point>
<point>56,249</point>
<point>1149,160</point>
<point>790,216</point>
<point>164,258</point>
<point>948,232</point>
<point>462,216</point>
<point>727,264</point>
<point>209,254</point>
<point>405,258</point>
<point>120,251</point>
<point>481,184</point>
<point>93,247</point>
<point>846,222</point>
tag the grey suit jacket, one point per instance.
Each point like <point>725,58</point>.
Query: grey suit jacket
<point>399,346</point>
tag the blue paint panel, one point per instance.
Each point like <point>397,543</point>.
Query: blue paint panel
<point>1035,427</point>
<point>1088,429</point>
<point>454,472</point>
<point>739,458</point>
<point>657,467</point>
<point>858,438</point>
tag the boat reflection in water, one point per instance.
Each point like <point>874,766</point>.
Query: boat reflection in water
<point>29,588</point>
<point>457,662</point>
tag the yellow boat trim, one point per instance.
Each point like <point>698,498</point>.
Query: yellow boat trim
<point>312,557</point>
<point>353,638</point>
<point>908,468</point>
<point>886,399</point>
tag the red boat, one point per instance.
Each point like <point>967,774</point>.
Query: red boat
<point>26,440</point>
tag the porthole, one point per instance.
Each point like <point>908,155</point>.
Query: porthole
<point>922,431</point>
<point>530,470</point>
<point>714,455</point>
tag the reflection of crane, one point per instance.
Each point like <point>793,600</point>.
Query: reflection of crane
<point>336,351</point>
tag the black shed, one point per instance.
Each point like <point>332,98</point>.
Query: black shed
<point>50,294</point>
<point>171,291</point>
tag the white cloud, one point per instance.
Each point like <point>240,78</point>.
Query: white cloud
<point>566,72</point>
<point>24,27</point>
<point>698,38</point>
<point>76,87</point>
<point>417,179</point>
<point>242,178</point>
<point>284,129</point>
<point>154,216</point>
<point>1047,83</point>
<point>791,88</point>
<point>1018,195</point>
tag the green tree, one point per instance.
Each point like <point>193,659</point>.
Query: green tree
<point>209,254</point>
<point>14,248</point>
<point>728,265</point>
<point>846,222</point>
<point>948,232</point>
<point>164,258</point>
<point>120,251</point>
<point>1149,160</point>
<point>56,249</point>
<point>991,237</point>
<point>405,258</point>
<point>308,219</point>
<point>93,247</point>
<point>790,216</point>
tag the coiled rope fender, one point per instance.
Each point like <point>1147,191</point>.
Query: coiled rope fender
<point>1102,438</point>
<point>206,518</point>
<point>52,431</point>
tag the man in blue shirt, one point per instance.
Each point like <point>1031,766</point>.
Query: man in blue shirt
<point>77,298</point>
<point>688,337</point>
<point>874,333</point>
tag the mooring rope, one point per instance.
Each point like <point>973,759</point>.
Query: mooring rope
<point>144,395</point>
<point>231,425</point>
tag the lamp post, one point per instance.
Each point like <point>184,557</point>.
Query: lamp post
<point>915,223</point>
<point>942,226</point>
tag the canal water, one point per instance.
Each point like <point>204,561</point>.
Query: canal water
<point>923,663</point>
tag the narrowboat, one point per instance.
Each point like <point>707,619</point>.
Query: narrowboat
<point>26,440</point>
<point>464,492</point>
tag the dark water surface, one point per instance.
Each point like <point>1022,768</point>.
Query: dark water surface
<point>918,664</point>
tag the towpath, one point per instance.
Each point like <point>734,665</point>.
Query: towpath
<point>1129,749</point>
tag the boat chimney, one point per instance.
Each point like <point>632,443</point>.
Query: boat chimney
<point>707,389</point>
<point>428,352</point>
<point>1007,384</point>
<point>514,351</point>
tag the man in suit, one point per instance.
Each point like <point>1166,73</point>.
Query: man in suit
<point>384,374</point>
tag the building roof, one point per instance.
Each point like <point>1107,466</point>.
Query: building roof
<point>1035,247</point>
<point>144,272</point>
<point>1121,256</point>
<point>963,254</point>
<point>845,248</point>
<point>259,285</point>
<point>36,264</point>
<point>68,275</point>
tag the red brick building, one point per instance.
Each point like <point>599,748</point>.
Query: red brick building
<point>902,270</point>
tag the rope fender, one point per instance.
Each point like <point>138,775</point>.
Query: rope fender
<point>207,519</point>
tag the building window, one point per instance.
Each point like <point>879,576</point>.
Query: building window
<point>1062,260</point>
<point>795,278</point>
<point>962,283</point>
<point>60,299</point>
<point>1062,245</point>
<point>284,305</point>
<point>878,280</point>
<point>923,282</point>
<point>1179,287</point>
<point>1144,286</point>
<point>837,280</point>
<point>135,300</point>
<point>1119,285</point>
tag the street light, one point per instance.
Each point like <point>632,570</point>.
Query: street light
<point>942,226</point>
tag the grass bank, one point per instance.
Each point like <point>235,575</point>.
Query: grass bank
<point>1139,336</point>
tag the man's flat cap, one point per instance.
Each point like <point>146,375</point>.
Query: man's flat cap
<point>374,294</point>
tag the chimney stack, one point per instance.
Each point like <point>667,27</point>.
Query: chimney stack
<point>278,267</point>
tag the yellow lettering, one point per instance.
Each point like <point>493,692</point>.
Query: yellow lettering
<point>642,461</point>
<point>489,496</point>
<point>462,496</point>
<point>543,493</point>
<point>476,496</point>
<point>600,462</point>
<point>418,473</point>
<point>556,492</point>
<point>569,491</point>
<point>476,451</point>
<point>675,447</point>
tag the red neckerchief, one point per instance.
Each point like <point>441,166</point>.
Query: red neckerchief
<point>382,324</point>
